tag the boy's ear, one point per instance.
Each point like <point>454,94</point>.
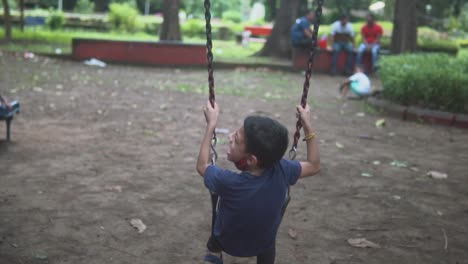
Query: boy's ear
<point>252,160</point>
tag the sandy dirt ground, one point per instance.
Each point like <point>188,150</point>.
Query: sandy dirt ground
<point>94,148</point>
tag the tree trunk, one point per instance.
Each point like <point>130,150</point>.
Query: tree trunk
<point>101,5</point>
<point>170,28</point>
<point>279,42</point>
<point>405,27</point>
<point>21,3</point>
<point>457,7</point>
<point>6,19</point>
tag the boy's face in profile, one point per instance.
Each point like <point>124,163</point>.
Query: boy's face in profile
<point>237,147</point>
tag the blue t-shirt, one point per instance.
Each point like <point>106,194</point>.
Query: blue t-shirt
<point>250,206</point>
<point>297,32</point>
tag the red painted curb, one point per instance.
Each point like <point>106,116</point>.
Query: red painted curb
<point>461,121</point>
<point>156,53</point>
<point>430,116</point>
<point>420,114</point>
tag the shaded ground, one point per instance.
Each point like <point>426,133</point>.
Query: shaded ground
<point>94,148</point>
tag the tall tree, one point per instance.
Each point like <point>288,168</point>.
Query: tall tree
<point>21,3</point>
<point>279,43</point>
<point>170,28</point>
<point>7,19</point>
<point>405,27</point>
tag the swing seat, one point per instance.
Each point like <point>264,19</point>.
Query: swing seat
<point>8,115</point>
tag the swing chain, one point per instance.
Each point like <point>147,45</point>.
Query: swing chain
<point>308,73</point>
<point>292,153</point>
<point>209,56</point>
<point>214,154</point>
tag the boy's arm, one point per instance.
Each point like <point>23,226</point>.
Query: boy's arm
<point>312,165</point>
<point>363,35</point>
<point>5,102</point>
<point>211,116</point>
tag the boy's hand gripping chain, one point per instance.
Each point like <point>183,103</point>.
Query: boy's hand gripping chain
<point>310,63</point>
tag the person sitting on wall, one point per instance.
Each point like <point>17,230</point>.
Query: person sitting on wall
<point>301,34</point>
<point>342,39</point>
<point>371,34</point>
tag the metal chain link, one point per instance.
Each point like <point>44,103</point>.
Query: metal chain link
<point>209,56</point>
<point>308,73</point>
<point>211,98</point>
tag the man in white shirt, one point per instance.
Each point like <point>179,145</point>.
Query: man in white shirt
<point>342,39</point>
<point>358,83</point>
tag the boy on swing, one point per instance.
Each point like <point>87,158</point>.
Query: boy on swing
<point>251,201</point>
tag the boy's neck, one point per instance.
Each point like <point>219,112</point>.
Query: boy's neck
<point>255,171</point>
<point>242,166</point>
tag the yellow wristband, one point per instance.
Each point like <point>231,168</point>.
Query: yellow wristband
<point>309,136</point>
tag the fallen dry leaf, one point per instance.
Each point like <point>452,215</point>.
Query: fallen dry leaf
<point>437,175</point>
<point>362,243</point>
<point>292,233</point>
<point>138,224</point>
<point>380,123</point>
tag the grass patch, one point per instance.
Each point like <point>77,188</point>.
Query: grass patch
<point>65,36</point>
<point>41,48</point>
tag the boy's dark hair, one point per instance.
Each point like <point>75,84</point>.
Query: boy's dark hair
<point>360,67</point>
<point>266,138</point>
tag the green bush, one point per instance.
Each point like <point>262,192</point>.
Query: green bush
<point>123,17</point>
<point>438,45</point>
<point>193,28</point>
<point>233,16</point>
<point>435,81</point>
<point>152,28</point>
<point>463,43</point>
<point>223,33</point>
<point>429,45</point>
<point>84,7</point>
<point>55,20</point>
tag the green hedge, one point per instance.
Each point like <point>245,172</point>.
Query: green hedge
<point>438,45</point>
<point>463,43</point>
<point>435,81</point>
<point>430,45</point>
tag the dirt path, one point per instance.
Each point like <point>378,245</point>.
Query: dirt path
<point>94,148</point>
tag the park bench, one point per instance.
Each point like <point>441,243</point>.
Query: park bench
<point>34,21</point>
<point>140,52</point>
<point>259,31</point>
<point>8,115</point>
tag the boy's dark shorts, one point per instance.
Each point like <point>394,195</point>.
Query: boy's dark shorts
<point>213,245</point>
<point>267,257</point>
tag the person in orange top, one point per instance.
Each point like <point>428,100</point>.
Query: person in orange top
<point>371,33</point>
